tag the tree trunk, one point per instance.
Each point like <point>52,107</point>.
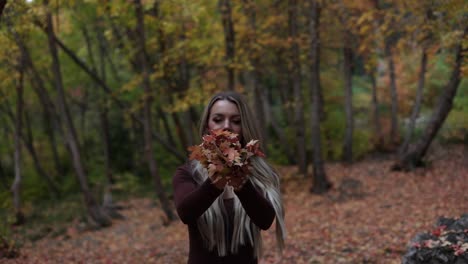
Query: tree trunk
<point>179,126</point>
<point>379,141</point>
<point>107,201</point>
<point>250,9</point>
<point>29,143</point>
<point>417,103</point>
<point>229,39</point>
<point>2,7</point>
<point>297,89</point>
<point>283,139</point>
<point>320,181</point>
<point>394,131</point>
<point>167,128</point>
<point>348,87</point>
<point>415,153</point>
<point>142,57</point>
<point>16,186</point>
<point>50,118</point>
<point>285,94</point>
<point>259,101</point>
<point>185,85</point>
<point>106,145</point>
<point>3,178</point>
<point>94,210</point>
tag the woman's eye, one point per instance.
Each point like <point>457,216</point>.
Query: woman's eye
<point>217,120</point>
<point>237,122</point>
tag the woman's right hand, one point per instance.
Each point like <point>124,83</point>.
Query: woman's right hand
<point>236,182</point>
<point>219,181</point>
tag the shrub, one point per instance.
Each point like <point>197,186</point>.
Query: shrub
<point>447,243</point>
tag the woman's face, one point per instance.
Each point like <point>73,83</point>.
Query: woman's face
<point>225,115</point>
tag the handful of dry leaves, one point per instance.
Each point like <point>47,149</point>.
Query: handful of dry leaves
<point>221,153</point>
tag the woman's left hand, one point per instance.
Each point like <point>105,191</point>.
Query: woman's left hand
<point>237,182</point>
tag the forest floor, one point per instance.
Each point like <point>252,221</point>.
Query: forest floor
<point>368,217</point>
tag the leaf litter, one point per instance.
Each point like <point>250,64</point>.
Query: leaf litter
<point>369,216</point>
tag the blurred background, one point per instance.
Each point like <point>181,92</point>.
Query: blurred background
<point>100,99</point>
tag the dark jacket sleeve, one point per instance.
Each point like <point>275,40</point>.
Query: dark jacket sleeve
<point>257,207</point>
<point>191,200</point>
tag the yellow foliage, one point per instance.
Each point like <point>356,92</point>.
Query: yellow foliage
<point>464,70</point>
<point>182,101</point>
<point>134,83</point>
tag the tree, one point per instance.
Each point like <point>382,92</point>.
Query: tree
<point>297,88</point>
<point>48,107</point>
<point>250,8</point>
<point>394,130</point>
<point>417,102</point>
<point>415,153</point>
<point>229,39</point>
<point>2,6</point>
<point>16,186</point>
<point>94,210</point>
<point>348,85</point>
<point>368,28</point>
<point>148,135</point>
<point>320,182</point>
<point>424,36</point>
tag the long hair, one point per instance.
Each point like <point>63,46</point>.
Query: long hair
<point>264,178</point>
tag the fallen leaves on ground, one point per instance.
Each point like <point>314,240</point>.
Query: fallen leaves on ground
<point>369,216</point>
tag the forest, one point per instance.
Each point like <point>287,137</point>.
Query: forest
<point>362,106</point>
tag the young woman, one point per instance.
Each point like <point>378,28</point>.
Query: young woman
<point>224,218</point>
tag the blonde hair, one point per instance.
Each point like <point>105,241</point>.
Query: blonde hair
<point>263,177</point>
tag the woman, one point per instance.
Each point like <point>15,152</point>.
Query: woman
<point>224,218</point>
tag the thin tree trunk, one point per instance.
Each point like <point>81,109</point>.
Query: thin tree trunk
<point>284,89</point>
<point>417,103</point>
<point>179,126</point>
<point>185,85</point>
<point>94,210</point>
<point>103,111</point>
<point>166,126</point>
<point>297,89</point>
<point>320,181</point>
<point>229,39</point>
<point>3,178</point>
<point>376,114</point>
<point>283,139</point>
<point>106,145</point>
<point>29,143</point>
<point>153,167</point>
<point>107,201</point>
<point>259,107</point>
<point>394,131</point>
<point>378,134</point>
<point>16,186</point>
<point>250,9</point>
<point>348,87</point>
<point>415,153</point>
<point>51,120</point>
<point>2,7</point>
<point>180,85</point>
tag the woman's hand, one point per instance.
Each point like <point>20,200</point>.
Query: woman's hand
<point>220,181</point>
<point>238,182</point>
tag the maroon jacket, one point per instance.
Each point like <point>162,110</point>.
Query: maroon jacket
<point>192,200</point>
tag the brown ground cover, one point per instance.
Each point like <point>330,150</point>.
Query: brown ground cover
<point>368,217</point>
